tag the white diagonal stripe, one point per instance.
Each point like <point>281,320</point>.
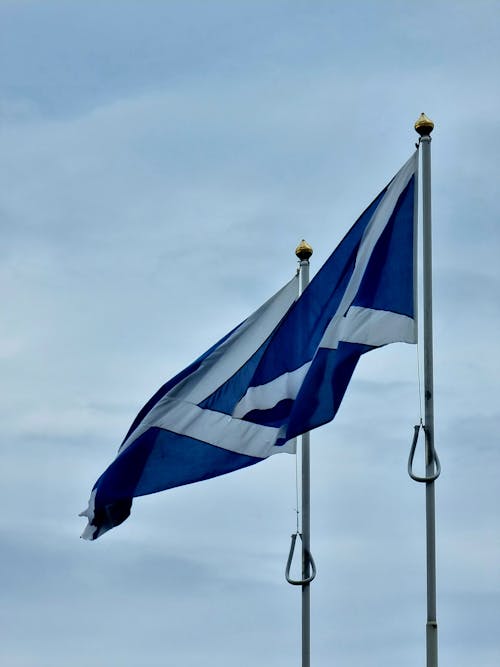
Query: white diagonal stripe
<point>371,327</point>
<point>266,396</point>
<point>216,428</point>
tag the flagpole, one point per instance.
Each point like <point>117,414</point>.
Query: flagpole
<point>424,127</point>
<point>304,252</point>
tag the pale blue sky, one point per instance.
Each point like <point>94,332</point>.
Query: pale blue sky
<point>159,162</point>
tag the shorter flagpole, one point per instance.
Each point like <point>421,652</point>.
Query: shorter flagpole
<point>304,252</point>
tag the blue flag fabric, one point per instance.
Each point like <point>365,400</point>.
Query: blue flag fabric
<point>281,372</point>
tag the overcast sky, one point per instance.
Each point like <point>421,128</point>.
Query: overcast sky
<point>160,161</point>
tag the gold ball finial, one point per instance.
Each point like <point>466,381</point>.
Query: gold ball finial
<point>303,250</point>
<point>424,125</point>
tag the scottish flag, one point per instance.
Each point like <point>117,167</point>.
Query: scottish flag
<point>280,373</point>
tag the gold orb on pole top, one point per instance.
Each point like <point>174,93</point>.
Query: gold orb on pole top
<point>424,125</point>
<point>303,250</point>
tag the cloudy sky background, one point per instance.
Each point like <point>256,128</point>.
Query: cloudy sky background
<point>160,161</point>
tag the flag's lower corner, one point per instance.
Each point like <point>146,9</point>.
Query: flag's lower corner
<point>103,518</point>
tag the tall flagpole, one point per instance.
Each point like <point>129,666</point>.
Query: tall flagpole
<point>304,252</point>
<point>424,127</point>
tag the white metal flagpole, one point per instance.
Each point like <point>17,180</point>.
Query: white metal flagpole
<point>424,127</point>
<point>304,252</point>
